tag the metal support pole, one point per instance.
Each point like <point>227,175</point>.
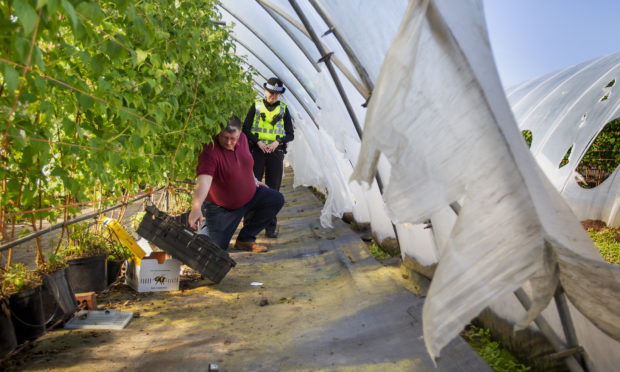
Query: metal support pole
<point>361,71</point>
<point>277,20</point>
<point>71,222</point>
<point>339,87</point>
<point>273,51</point>
<point>271,9</point>
<point>564,350</point>
<point>306,88</point>
<point>328,63</point>
<point>292,91</point>
<point>571,362</point>
<point>567,324</point>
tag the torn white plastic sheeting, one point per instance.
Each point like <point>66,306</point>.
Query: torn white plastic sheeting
<point>565,110</point>
<point>99,319</point>
<point>315,150</point>
<point>440,116</point>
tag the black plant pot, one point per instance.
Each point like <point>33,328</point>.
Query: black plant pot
<point>88,274</point>
<point>58,298</point>
<point>114,270</point>
<point>8,341</point>
<point>27,314</point>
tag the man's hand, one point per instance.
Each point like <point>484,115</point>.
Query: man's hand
<point>195,218</point>
<point>272,146</point>
<point>259,183</point>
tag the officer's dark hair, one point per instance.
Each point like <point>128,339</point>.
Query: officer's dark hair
<point>234,124</point>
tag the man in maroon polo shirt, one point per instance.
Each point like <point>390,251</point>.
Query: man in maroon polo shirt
<point>227,191</point>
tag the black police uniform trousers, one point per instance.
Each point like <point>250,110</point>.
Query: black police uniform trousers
<point>271,166</point>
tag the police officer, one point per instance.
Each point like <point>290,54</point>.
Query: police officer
<point>269,128</point>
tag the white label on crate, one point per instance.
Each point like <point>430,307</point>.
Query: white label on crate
<point>146,247</point>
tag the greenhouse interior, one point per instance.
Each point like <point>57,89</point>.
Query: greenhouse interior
<point>405,143</point>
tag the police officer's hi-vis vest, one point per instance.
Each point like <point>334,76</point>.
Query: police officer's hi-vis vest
<point>268,125</point>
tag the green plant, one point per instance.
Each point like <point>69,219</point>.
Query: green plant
<point>527,136</point>
<point>54,263</point>
<point>319,194</point>
<point>603,156</point>
<point>499,359</point>
<point>82,242</point>
<point>377,252</point>
<point>182,202</point>
<point>607,240</point>
<point>118,252</point>
<point>134,220</point>
<point>100,97</point>
<point>17,278</point>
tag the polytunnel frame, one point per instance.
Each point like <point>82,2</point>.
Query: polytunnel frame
<point>365,91</point>
<point>569,350</point>
<point>270,47</point>
<point>270,68</point>
<point>326,57</point>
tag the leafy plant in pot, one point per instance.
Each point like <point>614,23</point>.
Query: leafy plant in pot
<point>22,288</point>
<point>86,253</point>
<point>117,255</point>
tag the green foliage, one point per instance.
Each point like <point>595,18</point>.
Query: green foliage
<point>607,240</point>
<point>527,136</point>
<point>319,194</point>
<point>604,154</point>
<point>377,252</point>
<point>182,202</point>
<point>118,252</point>
<point>17,278</point>
<point>112,89</point>
<point>83,242</point>
<point>134,220</point>
<point>54,262</point>
<point>565,158</point>
<point>499,359</point>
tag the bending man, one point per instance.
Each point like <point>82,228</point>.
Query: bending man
<point>226,191</point>
<point>269,128</point>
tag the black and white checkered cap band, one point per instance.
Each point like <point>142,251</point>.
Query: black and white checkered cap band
<point>274,88</point>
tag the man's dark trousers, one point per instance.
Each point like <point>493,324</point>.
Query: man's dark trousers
<point>221,223</point>
<point>271,165</point>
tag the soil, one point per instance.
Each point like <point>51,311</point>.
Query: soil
<point>598,225</point>
<point>317,300</point>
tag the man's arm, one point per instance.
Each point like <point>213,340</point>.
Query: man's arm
<point>203,184</point>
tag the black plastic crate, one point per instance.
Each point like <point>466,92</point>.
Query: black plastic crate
<point>194,250</point>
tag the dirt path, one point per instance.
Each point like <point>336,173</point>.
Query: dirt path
<point>325,304</point>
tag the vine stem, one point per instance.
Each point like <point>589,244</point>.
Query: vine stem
<point>64,227</point>
<point>189,115</point>
<point>5,140</point>
<point>21,81</point>
<point>40,260</point>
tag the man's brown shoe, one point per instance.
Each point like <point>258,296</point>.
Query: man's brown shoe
<point>250,246</point>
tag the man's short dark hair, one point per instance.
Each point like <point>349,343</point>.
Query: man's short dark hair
<point>234,124</point>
